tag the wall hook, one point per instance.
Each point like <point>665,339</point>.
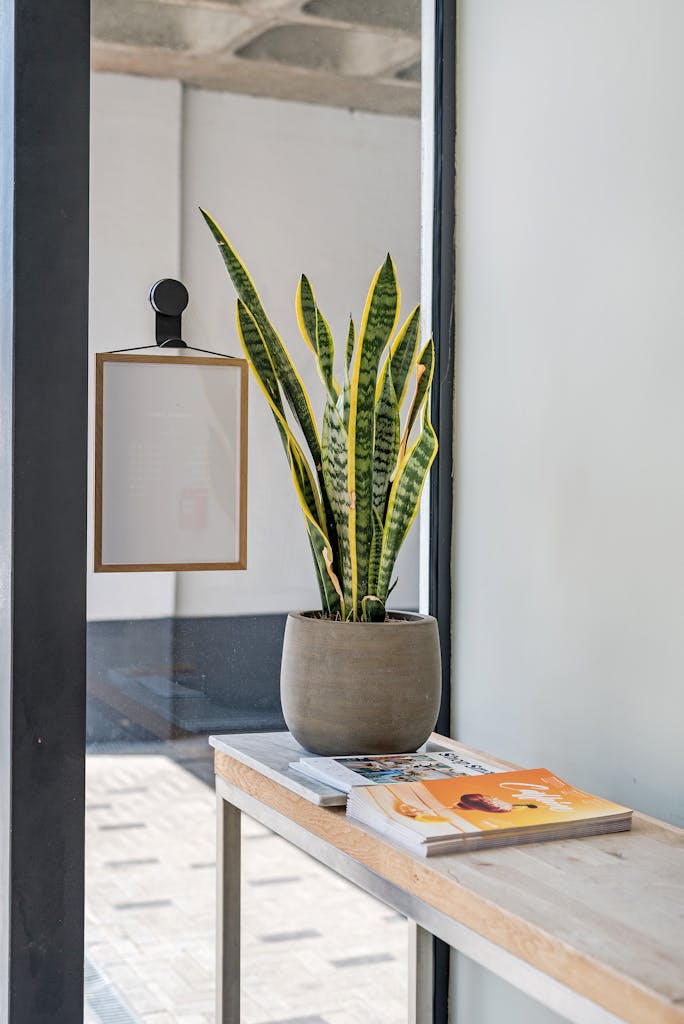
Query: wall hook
<point>168,299</point>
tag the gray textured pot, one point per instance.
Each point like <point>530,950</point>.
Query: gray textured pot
<point>360,687</point>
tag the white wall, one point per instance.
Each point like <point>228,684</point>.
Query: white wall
<point>134,240</point>
<point>569,557</point>
<point>296,188</point>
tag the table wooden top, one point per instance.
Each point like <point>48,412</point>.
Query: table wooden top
<point>602,915</point>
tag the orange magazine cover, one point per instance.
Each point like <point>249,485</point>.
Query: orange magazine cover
<point>486,803</point>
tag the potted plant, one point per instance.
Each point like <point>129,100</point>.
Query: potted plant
<point>354,677</point>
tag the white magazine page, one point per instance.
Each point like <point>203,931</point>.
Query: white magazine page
<point>346,772</point>
<point>327,769</point>
<point>464,765</point>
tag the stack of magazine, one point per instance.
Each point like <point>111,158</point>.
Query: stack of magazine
<point>445,801</point>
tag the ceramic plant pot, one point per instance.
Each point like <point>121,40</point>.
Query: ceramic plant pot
<point>360,687</point>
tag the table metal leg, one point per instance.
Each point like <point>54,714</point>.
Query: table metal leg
<point>227,913</point>
<point>420,974</point>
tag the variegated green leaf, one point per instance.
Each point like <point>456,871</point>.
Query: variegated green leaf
<point>404,500</point>
<point>316,334</point>
<point>372,609</point>
<point>319,580</point>
<point>375,553</point>
<point>289,379</point>
<point>379,320</point>
<point>344,397</point>
<point>342,404</point>
<point>386,443</point>
<point>426,360</point>
<point>424,371</point>
<point>327,558</point>
<point>334,449</point>
<point>319,547</point>
<point>262,367</point>
<point>351,338</point>
<point>306,313</point>
<point>326,355</point>
<point>402,354</point>
<point>311,504</point>
<point>257,355</point>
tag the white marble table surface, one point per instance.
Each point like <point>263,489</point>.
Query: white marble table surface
<point>271,754</point>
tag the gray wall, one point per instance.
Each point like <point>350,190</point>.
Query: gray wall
<point>569,558</point>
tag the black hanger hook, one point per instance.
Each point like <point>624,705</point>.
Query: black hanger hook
<point>168,299</point>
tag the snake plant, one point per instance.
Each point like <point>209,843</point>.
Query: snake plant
<point>362,493</point>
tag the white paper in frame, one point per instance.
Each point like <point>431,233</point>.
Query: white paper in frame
<point>170,463</point>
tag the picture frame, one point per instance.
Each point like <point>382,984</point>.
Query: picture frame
<point>170,463</point>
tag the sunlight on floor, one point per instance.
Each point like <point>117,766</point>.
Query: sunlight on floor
<point>315,949</point>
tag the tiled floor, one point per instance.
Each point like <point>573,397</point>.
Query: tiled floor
<point>315,949</point>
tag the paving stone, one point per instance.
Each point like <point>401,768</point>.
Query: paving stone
<point>160,958</point>
<point>363,961</point>
<point>283,880</point>
<point>303,933</point>
<point>299,1020</point>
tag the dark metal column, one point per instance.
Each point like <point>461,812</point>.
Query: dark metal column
<point>444,281</point>
<point>441,477</point>
<point>44,123</point>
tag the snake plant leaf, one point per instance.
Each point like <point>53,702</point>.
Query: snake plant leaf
<point>329,585</point>
<point>351,340</point>
<point>402,354</point>
<point>344,398</point>
<point>385,444</point>
<point>326,578</point>
<point>334,450</point>
<point>372,609</point>
<point>316,334</point>
<point>326,356</point>
<point>320,546</point>
<point>404,500</point>
<point>375,553</point>
<point>379,321</point>
<point>306,313</point>
<point>327,558</point>
<point>426,361</point>
<point>424,370</point>
<point>410,476</point>
<point>311,504</point>
<point>257,354</point>
<point>262,367</point>
<point>289,379</point>
<point>342,404</point>
<point>319,579</point>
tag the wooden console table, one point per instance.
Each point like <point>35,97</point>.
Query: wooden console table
<point>592,928</point>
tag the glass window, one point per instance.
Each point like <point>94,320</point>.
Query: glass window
<point>297,127</point>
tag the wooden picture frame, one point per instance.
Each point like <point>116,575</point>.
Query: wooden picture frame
<point>159,441</point>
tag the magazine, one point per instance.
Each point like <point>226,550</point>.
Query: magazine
<point>345,772</point>
<point>448,814</point>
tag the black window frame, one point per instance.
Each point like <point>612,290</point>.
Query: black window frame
<point>443,326</point>
<point>44,132</point>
